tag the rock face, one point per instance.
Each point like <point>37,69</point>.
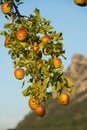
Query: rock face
<point>78,67</point>
<point>77,71</point>
<point>73,116</point>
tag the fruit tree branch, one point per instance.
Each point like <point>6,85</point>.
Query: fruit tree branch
<point>17,11</point>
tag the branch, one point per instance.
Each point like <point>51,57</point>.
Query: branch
<point>17,11</point>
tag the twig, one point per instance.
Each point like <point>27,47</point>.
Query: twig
<point>17,11</point>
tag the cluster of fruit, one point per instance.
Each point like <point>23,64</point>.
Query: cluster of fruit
<point>81,2</point>
<point>36,50</point>
<point>34,104</point>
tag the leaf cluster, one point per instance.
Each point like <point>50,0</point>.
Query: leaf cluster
<point>42,74</point>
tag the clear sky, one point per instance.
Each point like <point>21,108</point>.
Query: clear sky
<point>66,17</point>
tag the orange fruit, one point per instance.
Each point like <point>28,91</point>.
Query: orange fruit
<point>21,34</point>
<point>40,110</point>
<point>80,2</point>
<point>19,73</point>
<point>46,38</point>
<point>6,8</point>
<point>86,2</point>
<point>57,62</point>
<point>33,102</point>
<point>64,99</point>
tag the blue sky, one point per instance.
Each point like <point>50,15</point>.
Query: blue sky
<point>66,17</point>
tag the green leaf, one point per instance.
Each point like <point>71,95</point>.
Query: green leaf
<point>49,95</point>
<point>59,86</point>
<point>61,68</point>
<point>37,12</point>
<point>23,83</point>
<point>20,3</point>
<point>49,28</point>
<point>26,91</point>
<point>46,80</point>
<point>7,25</point>
<point>54,87</point>
<point>70,90</point>
<point>69,82</point>
<point>42,30</point>
<point>7,18</point>
<point>60,36</point>
<point>4,33</point>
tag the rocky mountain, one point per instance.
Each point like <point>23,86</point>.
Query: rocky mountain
<point>77,71</point>
<point>58,117</point>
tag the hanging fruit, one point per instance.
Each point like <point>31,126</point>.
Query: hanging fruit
<point>6,7</point>
<point>81,2</point>
<point>36,51</point>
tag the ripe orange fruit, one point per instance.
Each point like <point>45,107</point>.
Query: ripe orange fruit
<point>46,38</point>
<point>64,99</point>
<point>21,34</point>
<point>6,9</point>
<point>33,102</point>
<point>40,110</point>
<point>80,2</point>
<point>57,62</point>
<point>19,73</point>
<point>86,2</point>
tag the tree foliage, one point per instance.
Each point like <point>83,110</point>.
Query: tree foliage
<point>34,55</point>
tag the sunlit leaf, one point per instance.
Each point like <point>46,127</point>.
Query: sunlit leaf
<point>26,91</point>
<point>37,12</point>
